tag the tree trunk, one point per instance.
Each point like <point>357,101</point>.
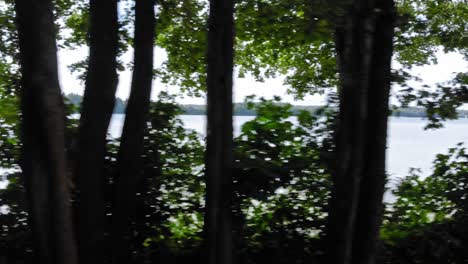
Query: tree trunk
<point>370,207</point>
<point>356,209</point>
<point>356,44</point>
<point>97,108</point>
<point>219,155</point>
<point>131,146</point>
<point>43,135</point>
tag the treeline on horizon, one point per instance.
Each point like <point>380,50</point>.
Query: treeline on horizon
<point>241,109</point>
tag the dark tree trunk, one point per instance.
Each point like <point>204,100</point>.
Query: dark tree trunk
<point>364,55</point>
<point>219,156</point>
<point>97,108</point>
<point>354,45</point>
<point>131,146</point>
<point>43,135</point>
<point>370,207</point>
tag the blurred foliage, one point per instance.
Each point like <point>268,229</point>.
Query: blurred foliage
<point>281,181</point>
<point>427,221</point>
<point>279,178</point>
<point>281,189</point>
<point>181,28</point>
<point>292,39</point>
<point>440,103</point>
<point>424,28</point>
<point>172,193</point>
<point>426,25</point>
<point>15,235</point>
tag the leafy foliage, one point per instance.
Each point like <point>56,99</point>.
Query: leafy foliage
<point>426,223</point>
<point>442,103</point>
<point>172,194</point>
<point>182,34</point>
<point>281,182</point>
<point>281,192</point>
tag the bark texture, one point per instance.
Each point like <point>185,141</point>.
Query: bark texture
<point>219,156</point>
<point>43,135</point>
<point>355,43</point>
<point>129,157</point>
<point>97,108</point>
<point>365,49</point>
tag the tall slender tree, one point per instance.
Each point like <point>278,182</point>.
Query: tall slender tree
<point>219,155</point>
<point>354,46</point>
<point>43,126</point>
<point>365,48</point>
<point>97,107</point>
<point>370,207</point>
<point>131,146</point>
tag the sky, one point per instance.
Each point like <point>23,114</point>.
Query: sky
<point>443,71</point>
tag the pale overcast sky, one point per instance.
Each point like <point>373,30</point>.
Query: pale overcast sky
<point>443,71</point>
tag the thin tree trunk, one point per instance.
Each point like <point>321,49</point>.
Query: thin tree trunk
<point>219,156</point>
<point>131,146</point>
<point>97,108</point>
<point>350,137</point>
<point>43,135</point>
<point>370,207</point>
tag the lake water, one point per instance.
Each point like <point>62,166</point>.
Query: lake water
<point>409,145</point>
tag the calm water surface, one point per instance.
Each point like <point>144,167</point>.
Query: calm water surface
<point>409,145</point>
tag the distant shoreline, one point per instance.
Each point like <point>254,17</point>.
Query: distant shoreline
<point>241,109</point>
<point>397,116</point>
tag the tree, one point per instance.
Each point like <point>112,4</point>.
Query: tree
<point>43,135</point>
<point>131,147</point>
<point>370,206</point>
<point>354,44</point>
<point>98,103</point>
<point>307,41</point>
<point>219,153</point>
<point>364,52</point>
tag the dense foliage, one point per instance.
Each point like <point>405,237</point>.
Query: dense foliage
<point>426,223</point>
<point>281,191</point>
<point>282,157</point>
